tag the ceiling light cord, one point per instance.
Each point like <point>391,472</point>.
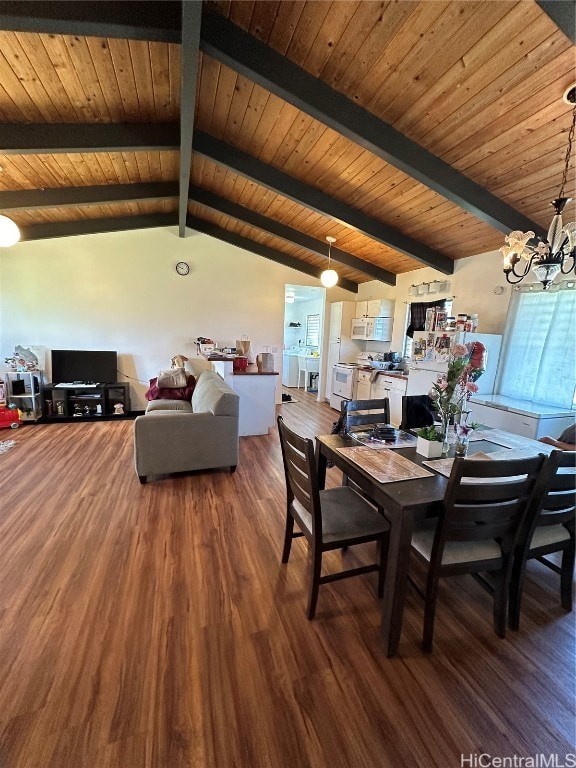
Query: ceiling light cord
<point>568,151</point>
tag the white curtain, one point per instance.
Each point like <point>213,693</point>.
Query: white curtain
<point>539,355</point>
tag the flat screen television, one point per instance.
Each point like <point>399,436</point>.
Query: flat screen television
<point>83,366</point>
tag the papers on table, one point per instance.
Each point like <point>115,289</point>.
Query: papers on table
<point>402,440</point>
<point>384,465</point>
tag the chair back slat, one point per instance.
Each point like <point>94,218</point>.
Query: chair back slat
<point>490,490</point>
<point>300,472</point>
<point>491,509</point>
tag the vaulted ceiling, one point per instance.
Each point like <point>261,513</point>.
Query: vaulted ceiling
<point>414,132</point>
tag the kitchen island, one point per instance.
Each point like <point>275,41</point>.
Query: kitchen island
<point>257,391</point>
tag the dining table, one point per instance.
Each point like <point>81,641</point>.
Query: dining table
<point>405,502</point>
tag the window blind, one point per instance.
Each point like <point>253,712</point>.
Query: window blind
<point>539,350</point>
<point>312,330</point>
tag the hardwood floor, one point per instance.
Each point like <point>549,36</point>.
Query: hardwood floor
<point>154,627</point>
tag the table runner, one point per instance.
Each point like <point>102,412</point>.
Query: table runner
<point>384,465</point>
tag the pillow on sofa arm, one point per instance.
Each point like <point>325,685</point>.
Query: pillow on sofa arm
<point>174,377</point>
<point>156,392</point>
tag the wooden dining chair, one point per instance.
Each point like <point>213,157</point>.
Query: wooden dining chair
<point>548,528</point>
<point>365,413</point>
<point>331,519</point>
<point>417,411</point>
<point>484,505</point>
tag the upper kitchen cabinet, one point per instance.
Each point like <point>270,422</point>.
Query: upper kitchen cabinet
<point>375,308</point>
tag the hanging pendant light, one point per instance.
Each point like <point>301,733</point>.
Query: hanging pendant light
<point>329,277</point>
<point>557,254</point>
<point>9,232</point>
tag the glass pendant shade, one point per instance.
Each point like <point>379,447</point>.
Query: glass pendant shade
<point>329,278</point>
<point>9,232</point>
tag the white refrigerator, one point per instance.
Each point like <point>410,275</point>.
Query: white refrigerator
<point>429,361</point>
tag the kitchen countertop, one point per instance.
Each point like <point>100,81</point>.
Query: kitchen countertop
<point>525,407</point>
<point>252,370</point>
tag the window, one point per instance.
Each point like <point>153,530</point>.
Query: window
<point>312,330</point>
<point>538,360</point>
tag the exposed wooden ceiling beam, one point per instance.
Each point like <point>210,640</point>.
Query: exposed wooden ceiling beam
<point>191,20</point>
<point>287,186</point>
<point>224,41</point>
<point>246,244</point>
<point>55,138</point>
<point>97,195</point>
<point>94,226</point>
<point>563,14</point>
<point>105,18</point>
<point>291,235</point>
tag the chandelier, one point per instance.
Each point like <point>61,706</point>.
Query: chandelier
<point>329,277</point>
<point>555,255</point>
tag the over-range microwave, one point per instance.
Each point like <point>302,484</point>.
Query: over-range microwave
<point>372,328</point>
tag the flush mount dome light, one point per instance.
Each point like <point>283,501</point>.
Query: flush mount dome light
<point>329,277</point>
<point>9,232</point>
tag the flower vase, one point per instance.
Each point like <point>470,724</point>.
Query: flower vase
<point>445,419</point>
<point>463,431</point>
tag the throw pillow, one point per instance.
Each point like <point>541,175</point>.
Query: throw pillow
<point>175,377</point>
<point>171,393</point>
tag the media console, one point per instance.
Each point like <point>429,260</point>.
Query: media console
<point>85,401</point>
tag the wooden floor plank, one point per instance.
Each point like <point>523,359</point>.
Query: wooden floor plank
<point>154,626</point>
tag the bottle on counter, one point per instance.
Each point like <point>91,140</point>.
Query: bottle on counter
<point>461,322</point>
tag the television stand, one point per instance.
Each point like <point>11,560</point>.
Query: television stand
<point>80,401</point>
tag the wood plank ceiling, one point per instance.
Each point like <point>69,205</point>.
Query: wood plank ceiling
<point>415,132</point>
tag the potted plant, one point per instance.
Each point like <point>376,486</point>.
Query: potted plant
<point>429,442</point>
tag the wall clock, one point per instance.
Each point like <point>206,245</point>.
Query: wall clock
<point>182,268</point>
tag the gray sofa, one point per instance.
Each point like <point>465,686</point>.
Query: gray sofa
<point>178,436</point>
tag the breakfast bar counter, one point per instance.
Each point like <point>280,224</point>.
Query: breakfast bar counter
<point>257,392</point>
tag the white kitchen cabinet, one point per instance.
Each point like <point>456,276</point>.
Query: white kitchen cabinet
<point>341,348</point>
<point>341,316</point>
<point>520,417</point>
<point>380,308</point>
<point>375,308</point>
<point>394,388</point>
<point>363,385</point>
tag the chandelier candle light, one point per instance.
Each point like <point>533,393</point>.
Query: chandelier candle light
<point>329,277</point>
<point>550,257</point>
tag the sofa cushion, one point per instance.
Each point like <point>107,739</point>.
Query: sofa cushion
<point>169,405</point>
